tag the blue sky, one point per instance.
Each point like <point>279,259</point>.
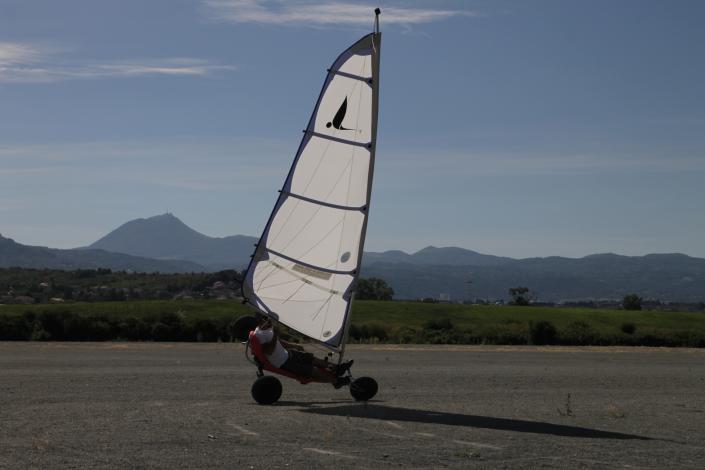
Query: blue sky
<point>507,127</point>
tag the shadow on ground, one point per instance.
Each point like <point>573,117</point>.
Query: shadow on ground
<point>311,403</point>
<point>389,413</point>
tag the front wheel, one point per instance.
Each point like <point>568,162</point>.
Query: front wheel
<point>266,390</point>
<point>364,388</point>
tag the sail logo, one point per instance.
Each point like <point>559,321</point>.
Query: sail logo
<point>339,116</point>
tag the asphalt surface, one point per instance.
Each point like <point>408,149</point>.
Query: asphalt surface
<point>156,405</point>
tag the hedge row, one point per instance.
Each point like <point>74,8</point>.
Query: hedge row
<point>578,333</point>
<point>53,325</point>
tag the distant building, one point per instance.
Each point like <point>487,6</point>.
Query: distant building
<point>443,297</point>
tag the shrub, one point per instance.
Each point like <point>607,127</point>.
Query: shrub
<point>510,332</point>
<point>100,329</point>
<point>39,334</point>
<point>406,335</point>
<point>133,329</point>
<point>628,328</point>
<point>578,333</point>
<point>438,324</point>
<point>520,296</point>
<point>369,331</point>
<point>168,326</point>
<point>373,289</point>
<point>206,330</point>
<point>77,328</point>
<point>14,328</point>
<point>52,322</point>
<point>631,302</point>
<point>161,332</point>
<point>542,332</point>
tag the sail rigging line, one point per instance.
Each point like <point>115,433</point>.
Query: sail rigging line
<point>333,188</point>
<point>276,266</point>
<point>283,283</point>
<point>296,206</point>
<point>298,301</point>
<point>305,281</point>
<point>299,278</point>
<point>326,303</point>
<point>322,239</point>
<point>267,275</point>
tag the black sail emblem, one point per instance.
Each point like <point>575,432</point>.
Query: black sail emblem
<point>339,116</point>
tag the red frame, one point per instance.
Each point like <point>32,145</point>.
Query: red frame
<point>256,348</point>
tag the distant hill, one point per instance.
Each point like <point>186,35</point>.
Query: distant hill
<point>164,243</point>
<point>674,277</point>
<point>449,256</point>
<point>13,254</point>
<point>165,237</point>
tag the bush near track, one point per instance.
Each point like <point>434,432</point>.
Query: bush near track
<point>373,322</point>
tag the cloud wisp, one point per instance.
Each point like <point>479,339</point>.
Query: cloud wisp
<point>24,63</point>
<point>319,14</point>
<point>221,165</point>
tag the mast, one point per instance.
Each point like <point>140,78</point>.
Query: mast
<point>376,45</point>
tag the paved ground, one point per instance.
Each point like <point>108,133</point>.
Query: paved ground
<point>151,405</point>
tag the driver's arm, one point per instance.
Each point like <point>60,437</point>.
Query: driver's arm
<point>268,348</point>
<point>289,345</point>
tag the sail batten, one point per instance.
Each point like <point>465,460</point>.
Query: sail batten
<point>367,80</point>
<point>338,139</point>
<point>327,204</point>
<point>307,261</point>
<point>311,266</point>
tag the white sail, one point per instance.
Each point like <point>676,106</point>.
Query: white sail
<point>308,258</point>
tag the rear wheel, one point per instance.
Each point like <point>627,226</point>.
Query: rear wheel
<point>266,390</point>
<point>364,388</point>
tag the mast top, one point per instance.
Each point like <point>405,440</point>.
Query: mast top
<point>377,12</point>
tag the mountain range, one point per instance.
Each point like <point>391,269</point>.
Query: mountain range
<point>165,237</point>
<point>164,243</point>
<point>13,254</point>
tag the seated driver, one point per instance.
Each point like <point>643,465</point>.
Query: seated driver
<point>292,357</point>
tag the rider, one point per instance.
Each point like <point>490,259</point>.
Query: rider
<point>293,358</point>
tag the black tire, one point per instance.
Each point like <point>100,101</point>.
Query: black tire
<point>364,388</point>
<point>266,390</point>
<point>243,326</point>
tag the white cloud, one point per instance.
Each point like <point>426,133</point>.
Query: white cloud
<point>24,63</point>
<point>225,165</point>
<point>13,53</point>
<point>310,14</point>
<point>469,162</point>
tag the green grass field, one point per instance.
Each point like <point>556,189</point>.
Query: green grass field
<point>402,322</point>
<point>190,309</point>
<point>415,314</point>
